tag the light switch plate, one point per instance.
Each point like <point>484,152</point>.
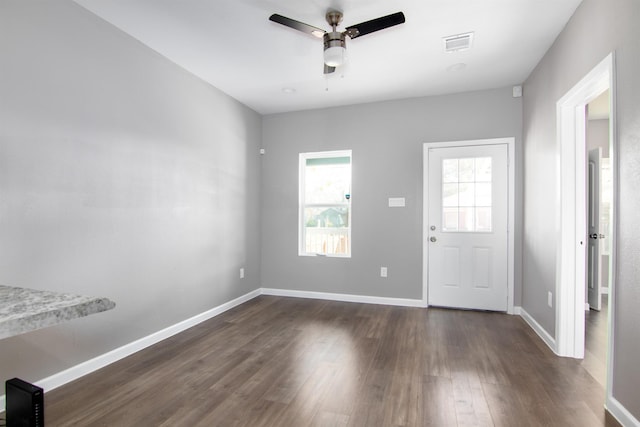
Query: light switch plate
<point>396,202</point>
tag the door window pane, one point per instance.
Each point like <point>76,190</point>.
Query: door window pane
<point>450,219</point>
<point>450,195</point>
<point>465,219</point>
<point>483,194</point>
<point>483,169</point>
<point>450,170</point>
<point>466,194</point>
<point>466,170</point>
<point>483,219</point>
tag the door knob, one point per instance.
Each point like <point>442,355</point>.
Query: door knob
<point>433,238</point>
<point>593,236</point>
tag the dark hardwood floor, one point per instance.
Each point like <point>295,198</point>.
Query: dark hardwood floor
<point>295,362</point>
<point>595,342</point>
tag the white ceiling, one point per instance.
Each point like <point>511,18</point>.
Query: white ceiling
<point>232,45</point>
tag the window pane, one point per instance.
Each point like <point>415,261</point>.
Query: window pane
<point>328,161</point>
<point>466,219</point>
<point>332,241</point>
<point>483,194</point>
<point>325,211</point>
<point>326,230</point>
<point>483,219</point>
<point>450,219</point>
<point>327,217</point>
<point>466,173</point>
<point>450,170</point>
<point>483,169</point>
<point>466,195</point>
<point>450,194</point>
<point>466,198</point>
<point>327,183</point>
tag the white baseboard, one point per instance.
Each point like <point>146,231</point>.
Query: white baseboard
<point>620,413</point>
<point>544,335</point>
<point>84,368</point>
<point>403,302</point>
<point>517,311</point>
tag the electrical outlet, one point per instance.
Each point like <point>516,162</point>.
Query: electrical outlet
<point>550,299</point>
<point>242,272</point>
<point>383,271</point>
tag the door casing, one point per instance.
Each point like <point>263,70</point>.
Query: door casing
<point>510,142</point>
<point>571,206</point>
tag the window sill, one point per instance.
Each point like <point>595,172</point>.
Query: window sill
<point>324,255</point>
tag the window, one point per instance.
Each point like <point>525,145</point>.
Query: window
<point>466,194</point>
<point>325,203</point>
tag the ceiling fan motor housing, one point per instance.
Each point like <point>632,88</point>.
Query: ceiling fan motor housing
<point>334,39</point>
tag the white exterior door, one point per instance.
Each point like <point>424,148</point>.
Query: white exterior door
<point>468,227</point>
<point>593,256</point>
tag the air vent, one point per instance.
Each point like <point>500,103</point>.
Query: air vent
<point>458,43</point>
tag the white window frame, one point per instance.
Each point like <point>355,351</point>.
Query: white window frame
<point>302,205</point>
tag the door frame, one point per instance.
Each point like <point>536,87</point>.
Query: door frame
<point>572,211</point>
<point>510,143</point>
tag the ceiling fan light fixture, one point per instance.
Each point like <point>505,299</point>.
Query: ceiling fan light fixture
<point>335,49</point>
<point>335,56</point>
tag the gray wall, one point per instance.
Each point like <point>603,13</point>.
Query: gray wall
<point>597,28</point>
<point>387,141</point>
<point>121,175</point>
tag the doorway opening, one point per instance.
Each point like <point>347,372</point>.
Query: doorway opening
<point>599,203</point>
<point>572,272</point>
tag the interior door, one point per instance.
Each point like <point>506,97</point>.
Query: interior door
<point>467,227</point>
<point>593,258</point>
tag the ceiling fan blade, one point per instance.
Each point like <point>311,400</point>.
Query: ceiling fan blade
<point>297,25</point>
<point>329,69</point>
<point>377,24</point>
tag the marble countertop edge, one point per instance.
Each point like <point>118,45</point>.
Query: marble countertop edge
<point>24,310</point>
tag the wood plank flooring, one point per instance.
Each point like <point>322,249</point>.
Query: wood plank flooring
<point>277,361</point>
<point>595,342</point>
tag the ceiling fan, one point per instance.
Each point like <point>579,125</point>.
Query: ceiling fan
<point>335,42</point>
